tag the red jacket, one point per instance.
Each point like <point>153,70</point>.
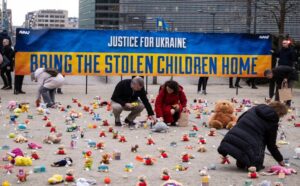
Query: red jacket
<point>165,101</point>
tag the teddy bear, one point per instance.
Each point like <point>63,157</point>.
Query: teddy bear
<point>223,116</point>
<point>53,138</point>
<point>20,139</point>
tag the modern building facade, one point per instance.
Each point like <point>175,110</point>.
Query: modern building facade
<point>47,19</point>
<point>183,15</point>
<point>72,22</point>
<point>99,14</point>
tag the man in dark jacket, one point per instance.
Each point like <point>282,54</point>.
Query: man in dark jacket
<point>287,56</point>
<point>125,97</point>
<point>255,129</point>
<point>277,76</point>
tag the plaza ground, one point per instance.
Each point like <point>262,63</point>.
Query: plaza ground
<point>224,175</point>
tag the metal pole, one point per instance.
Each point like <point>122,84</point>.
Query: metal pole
<point>255,16</point>
<point>86,84</point>
<point>214,15</point>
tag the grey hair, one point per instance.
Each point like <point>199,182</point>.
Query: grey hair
<point>138,80</point>
<point>268,71</point>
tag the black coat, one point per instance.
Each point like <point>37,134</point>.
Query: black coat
<point>247,140</point>
<point>123,94</point>
<point>287,57</point>
<point>10,54</point>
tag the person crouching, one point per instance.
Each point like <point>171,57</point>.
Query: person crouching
<point>255,130</point>
<point>49,80</point>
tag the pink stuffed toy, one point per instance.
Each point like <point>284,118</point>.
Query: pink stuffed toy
<point>276,169</point>
<point>12,105</point>
<point>34,146</point>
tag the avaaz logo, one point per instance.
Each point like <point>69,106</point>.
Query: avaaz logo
<point>24,32</point>
<point>264,37</point>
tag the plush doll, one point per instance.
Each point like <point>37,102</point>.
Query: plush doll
<point>23,161</point>
<point>202,140</point>
<point>55,179</point>
<point>225,160</point>
<point>134,148</point>
<point>185,138</point>
<point>22,176</point>
<point>110,129</point>
<point>160,127</point>
<point>148,160</point>
<point>185,157</point>
<point>66,162</point>
<point>252,172</point>
<point>69,178</point>
<point>53,138</point>
<point>105,158</point>
<point>122,139</point>
<point>163,153</point>
<point>102,134</point>
<point>34,146</point>
<point>150,141</point>
<point>202,148</point>
<point>61,150</point>
<point>12,105</point>
<point>223,116</point>
<point>212,132</point>
<point>165,175</point>
<point>100,145</point>
<point>88,163</point>
<point>142,181</point>
<point>20,139</point>
<point>53,129</point>
<point>276,169</point>
<point>34,155</point>
<point>195,128</point>
<point>115,135</point>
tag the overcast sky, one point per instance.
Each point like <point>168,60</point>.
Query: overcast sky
<point>21,7</point>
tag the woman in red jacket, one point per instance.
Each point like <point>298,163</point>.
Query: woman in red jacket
<point>170,102</point>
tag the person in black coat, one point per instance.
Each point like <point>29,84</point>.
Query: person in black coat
<point>255,129</point>
<point>8,56</point>
<point>277,76</point>
<point>126,97</point>
<point>287,55</point>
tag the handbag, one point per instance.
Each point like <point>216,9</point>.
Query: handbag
<point>183,121</point>
<point>285,93</point>
<point>5,62</point>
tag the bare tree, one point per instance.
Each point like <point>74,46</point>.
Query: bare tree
<point>279,9</point>
<point>249,15</point>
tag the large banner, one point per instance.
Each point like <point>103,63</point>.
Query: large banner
<point>110,52</point>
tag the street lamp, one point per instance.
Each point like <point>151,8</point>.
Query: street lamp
<point>213,14</point>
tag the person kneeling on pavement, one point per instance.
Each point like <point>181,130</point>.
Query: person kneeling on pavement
<point>170,102</point>
<point>130,95</point>
<point>49,80</point>
<point>255,129</point>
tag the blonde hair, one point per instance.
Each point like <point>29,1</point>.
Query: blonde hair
<point>279,108</point>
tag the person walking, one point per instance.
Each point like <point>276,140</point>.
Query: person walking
<point>7,64</point>
<point>277,76</point>
<point>130,95</point>
<point>202,83</point>
<point>49,80</point>
<point>255,130</point>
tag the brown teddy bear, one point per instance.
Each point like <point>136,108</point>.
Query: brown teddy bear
<point>223,116</point>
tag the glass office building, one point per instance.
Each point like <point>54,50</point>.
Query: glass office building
<point>182,15</point>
